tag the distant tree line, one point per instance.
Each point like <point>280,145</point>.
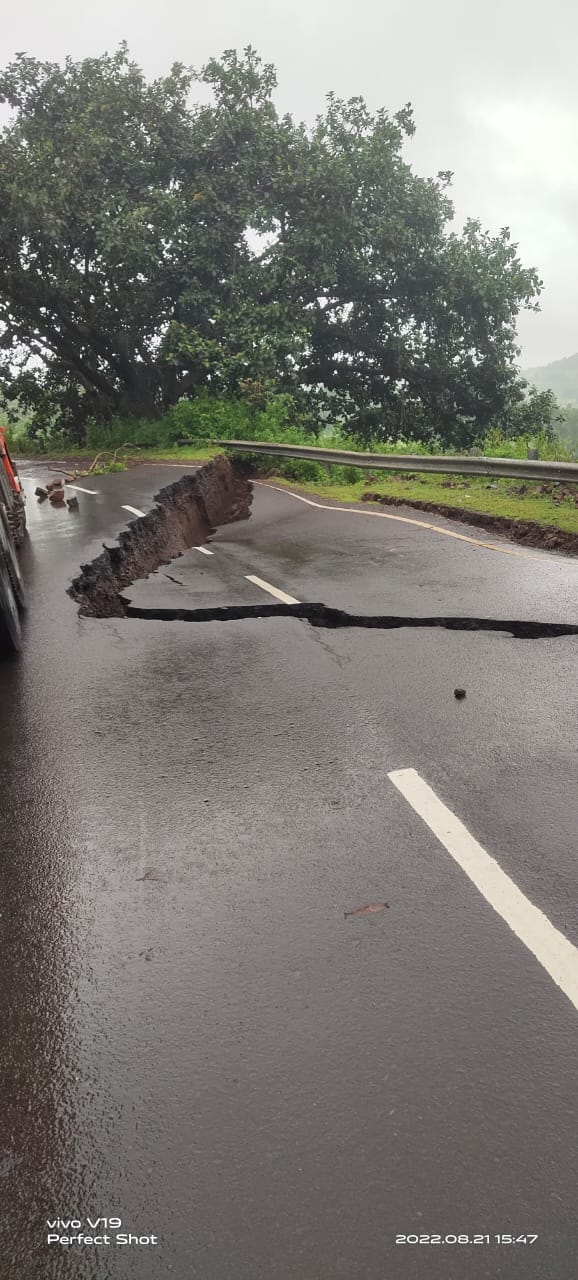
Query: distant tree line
<point>566,425</point>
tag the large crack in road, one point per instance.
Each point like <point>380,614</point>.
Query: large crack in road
<point>321,615</point>
<point>185,513</point>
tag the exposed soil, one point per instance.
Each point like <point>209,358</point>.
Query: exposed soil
<point>186,513</point>
<point>527,532</point>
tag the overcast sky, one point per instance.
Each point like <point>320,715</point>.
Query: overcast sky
<point>494,88</point>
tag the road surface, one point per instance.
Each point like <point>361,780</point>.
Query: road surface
<point>198,1041</point>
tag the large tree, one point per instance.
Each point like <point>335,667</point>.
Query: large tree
<point>122,221</point>
<point>410,325</point>
<point>130,273</point>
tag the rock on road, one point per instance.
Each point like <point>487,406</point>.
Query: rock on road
<point>196,1040</point>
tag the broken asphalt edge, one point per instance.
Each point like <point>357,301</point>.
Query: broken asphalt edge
<point>185,514</point>
<point>527,533</point>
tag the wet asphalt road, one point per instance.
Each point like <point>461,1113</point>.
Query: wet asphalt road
<point>195,1039</point>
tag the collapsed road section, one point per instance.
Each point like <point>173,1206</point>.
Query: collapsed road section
<point>186,512</point>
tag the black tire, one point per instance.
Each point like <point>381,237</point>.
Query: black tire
<point>8,553</point>
<point>10,630</point>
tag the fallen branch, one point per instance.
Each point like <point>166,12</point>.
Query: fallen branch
<point>106,453</point>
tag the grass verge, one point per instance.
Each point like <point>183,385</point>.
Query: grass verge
<point>472,496</point>
<point>190,453</point>
<point>552,507</point>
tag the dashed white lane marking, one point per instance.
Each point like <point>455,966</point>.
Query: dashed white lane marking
<point>421,524</point>
<point>555,953</point>
<point>273,591</point>
<point>205,551</point>
<point>135,510</point>
<point>80,488</point>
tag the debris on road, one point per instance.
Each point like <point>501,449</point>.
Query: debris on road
<point>54,490</point>
<point>459,694</point>
<point>98,464</point>
<point>370,909</point>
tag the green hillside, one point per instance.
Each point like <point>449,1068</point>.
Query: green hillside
<point>561,377</point>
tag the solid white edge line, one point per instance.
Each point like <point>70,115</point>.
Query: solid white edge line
<point>273,591</point>
<point>555,953</point>
<point>205,551</point>
<point>545,558</point>
<point>94,492</point>
<point>135,510</point>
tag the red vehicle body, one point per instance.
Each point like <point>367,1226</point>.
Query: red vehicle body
<point>12,532</point>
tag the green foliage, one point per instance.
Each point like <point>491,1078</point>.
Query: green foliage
<point>128,281</point>
<point>108,468</point>
<point>209,417</point>
<point>122,216</point>
<point>533,413</point>
<point>205,417</point>
<point>497,444</point>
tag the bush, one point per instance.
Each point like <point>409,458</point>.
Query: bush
<point>497,445</point>
<point>302,469</point>
<point>143,432</point>
<point>283,418</point>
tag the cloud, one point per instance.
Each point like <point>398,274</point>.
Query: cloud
<point>533,142</point>
<point>519,170</point>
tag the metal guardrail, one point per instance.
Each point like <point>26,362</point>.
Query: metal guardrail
<point>512,468</point>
